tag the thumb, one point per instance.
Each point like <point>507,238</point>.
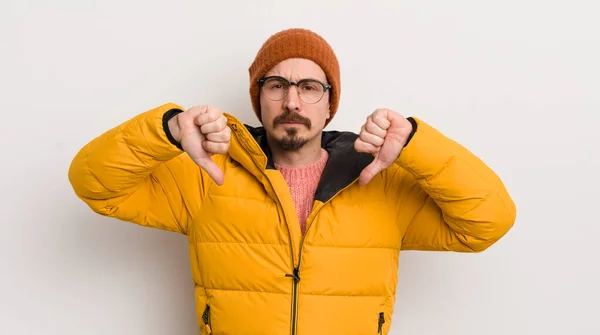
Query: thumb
<point>213,170</point>
<point>370,171</point>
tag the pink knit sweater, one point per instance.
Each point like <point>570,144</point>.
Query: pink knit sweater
<point>303,182</point>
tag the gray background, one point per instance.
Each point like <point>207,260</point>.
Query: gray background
<point>517,82</point>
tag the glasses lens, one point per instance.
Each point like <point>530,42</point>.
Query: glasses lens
<point>311,91</point>
<point>275,88</point>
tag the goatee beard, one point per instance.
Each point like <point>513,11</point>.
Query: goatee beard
<point>291,142</point>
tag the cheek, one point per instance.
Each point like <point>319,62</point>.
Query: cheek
<point>317,116</point>
<point>321,112</point>
<point>267,109</point>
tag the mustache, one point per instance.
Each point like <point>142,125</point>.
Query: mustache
<point>288,116</point>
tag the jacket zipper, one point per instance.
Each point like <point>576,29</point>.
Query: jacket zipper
<point>295,279</point>
<point>296,271</point>
<point>381,322</point>
<point>296,274</point>
<point>206,319</point>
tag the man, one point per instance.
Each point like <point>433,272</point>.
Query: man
<point>293,229</point>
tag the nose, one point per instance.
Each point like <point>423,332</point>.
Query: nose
<point>292,100</point>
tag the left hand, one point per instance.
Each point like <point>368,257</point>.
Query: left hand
<point>384,135</point>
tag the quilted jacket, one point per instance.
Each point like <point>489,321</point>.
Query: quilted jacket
<point>253,270</point>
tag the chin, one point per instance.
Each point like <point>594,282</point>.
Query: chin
<point>292,143</point>
<point>290,138</point>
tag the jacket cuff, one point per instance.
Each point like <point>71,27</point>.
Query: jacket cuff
<point>414,129</point>
<point>165,123</point>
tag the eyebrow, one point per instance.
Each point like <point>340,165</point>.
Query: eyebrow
<point>313,78</point>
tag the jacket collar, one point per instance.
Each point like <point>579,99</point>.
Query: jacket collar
<point>249,147</point>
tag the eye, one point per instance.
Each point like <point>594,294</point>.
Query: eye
<point>275,84</point>
<point>310,86</point>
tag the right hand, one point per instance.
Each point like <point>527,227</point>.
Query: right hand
<point>202,132</point>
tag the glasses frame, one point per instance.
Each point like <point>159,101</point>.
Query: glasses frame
<point>326,87</point>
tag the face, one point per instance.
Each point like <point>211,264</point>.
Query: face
<point>291,122</point>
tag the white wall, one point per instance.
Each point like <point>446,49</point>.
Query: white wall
<point>517,82</point>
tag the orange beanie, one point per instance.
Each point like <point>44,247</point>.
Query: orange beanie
<point>295,43</point>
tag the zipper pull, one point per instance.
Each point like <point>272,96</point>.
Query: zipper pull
<point>381,322</point>
<point>206,319</point>
<point>295,275</point>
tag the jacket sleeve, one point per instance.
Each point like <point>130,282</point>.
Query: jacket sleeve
<point>136,173</point>
<point>449,200</point>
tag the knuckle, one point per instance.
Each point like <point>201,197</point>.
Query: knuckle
<point>370,126</point>
<point>192,109</point>
<point>221,148</point>
<point>364,146</point>
<point>215,147</point>
<point>206,128</point>
<point>224,136</point>
<point>212,137</point>
<point>209,115</point>
<point>382,122</point>
<point>196,110</point>
<point>200,119</point>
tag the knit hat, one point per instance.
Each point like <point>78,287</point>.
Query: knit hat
<point>295,43</point>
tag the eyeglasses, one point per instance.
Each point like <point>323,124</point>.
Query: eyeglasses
<point>310,91</point>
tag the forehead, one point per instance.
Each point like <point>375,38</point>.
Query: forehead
<point>297,68</point>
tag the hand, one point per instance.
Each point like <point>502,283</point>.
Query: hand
<point>384,135</point>
<point>202,132</point>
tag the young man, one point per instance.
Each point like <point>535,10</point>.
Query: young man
<point>293,229</point>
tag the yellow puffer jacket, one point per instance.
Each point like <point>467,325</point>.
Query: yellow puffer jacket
<point>254,272</point>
